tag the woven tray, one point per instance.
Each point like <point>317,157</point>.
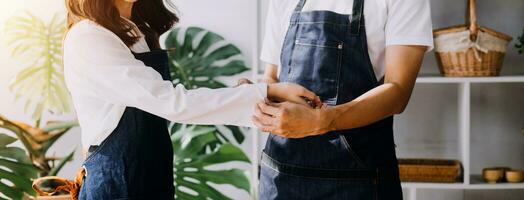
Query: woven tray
<point>430,170</point>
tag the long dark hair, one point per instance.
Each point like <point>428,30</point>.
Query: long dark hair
<point>152,17</point>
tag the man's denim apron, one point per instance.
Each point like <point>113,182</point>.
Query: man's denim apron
<point>136,160</point>
<point>327,53</point>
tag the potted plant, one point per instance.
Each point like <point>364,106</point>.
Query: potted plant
<point>40,85</point>
<point>520,43</point>
<point>200,58</point>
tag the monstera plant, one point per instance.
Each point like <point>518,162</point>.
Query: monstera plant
<point>41,87</point>
<point>520,44</point>
<point>199,58</point>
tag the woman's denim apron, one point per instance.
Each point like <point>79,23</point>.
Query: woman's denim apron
<point>136,160</point>
<point>327,53</point>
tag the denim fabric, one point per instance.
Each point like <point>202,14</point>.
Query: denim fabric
<point>327,53</point>
<point>136,160</point>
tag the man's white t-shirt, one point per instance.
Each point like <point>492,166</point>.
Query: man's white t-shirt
<point>388,22</point>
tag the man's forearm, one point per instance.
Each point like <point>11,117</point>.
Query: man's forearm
<point>270,74</point>
<point>379,103</point>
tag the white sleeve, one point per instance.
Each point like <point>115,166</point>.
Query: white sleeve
<point>97,63</point>
<point>273,38</point>
<point>409,23</point>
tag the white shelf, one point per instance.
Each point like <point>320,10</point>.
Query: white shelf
<point>498,79</point>
<point>471,182</point>
<point>476,184</point>
<point>461,186</point>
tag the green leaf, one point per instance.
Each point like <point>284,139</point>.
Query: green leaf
<point>191,63</point>
<point>192,165</point>
<point>237,133</point>
<point>22,169</point>
<point>200,57</point>
<point>61,164</point>
<point>38,44</point>
<point>10,192</point>
<point>6,140</point>
<point>23,183</point>
<point>15,168</point>
<point>15,153</point>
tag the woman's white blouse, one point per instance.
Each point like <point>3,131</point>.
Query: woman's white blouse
<point>104,78</point>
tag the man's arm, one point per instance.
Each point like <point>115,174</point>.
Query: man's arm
<point>292,120</point>
<point>402,66</point>
<point>270,75</point>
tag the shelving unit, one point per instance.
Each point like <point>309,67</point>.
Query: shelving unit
<point>471,181</point>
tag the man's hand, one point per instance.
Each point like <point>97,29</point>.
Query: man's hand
<point>291,120</point>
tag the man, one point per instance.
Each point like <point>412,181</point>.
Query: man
<point>362,59</point>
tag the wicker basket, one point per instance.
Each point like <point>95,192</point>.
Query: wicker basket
<point>430,170</point>
<point>470,50</point>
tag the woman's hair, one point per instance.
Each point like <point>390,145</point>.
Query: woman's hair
<point>152,17</point>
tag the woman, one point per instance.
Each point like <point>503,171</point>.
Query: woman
<point>362,59</point>
<point>119,81</point>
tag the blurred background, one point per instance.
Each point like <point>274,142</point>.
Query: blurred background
<point>38,134</point>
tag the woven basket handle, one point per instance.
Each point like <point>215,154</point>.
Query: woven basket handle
<point>472,19</point>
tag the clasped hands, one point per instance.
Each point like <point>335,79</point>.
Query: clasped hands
<point>291,111</point>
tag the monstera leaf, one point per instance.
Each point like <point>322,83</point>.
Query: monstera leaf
<point>193,158</point>
<point>39,45</point>
<point>16,170</point>
<point>199,58</point>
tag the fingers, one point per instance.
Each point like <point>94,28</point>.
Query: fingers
<point>308,94</point>
<point>269,108</point>
<point>243,81</point>
<point>263,127</point>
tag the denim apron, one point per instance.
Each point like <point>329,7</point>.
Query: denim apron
<point>327,53</point>
<point>136,160</point>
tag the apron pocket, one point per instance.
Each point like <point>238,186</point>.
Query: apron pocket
<point>275,185</point>
<point>315,65</point>
<point>354,156</point>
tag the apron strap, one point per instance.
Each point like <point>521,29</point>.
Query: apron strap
<point>300,5</point>
<point>356,17</point>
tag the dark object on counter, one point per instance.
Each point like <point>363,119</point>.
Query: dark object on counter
<point>520,44</point>
<point>430,170</point>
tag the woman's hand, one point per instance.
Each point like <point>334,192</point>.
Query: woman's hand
<point>282,92</point>
<point>243,81</point>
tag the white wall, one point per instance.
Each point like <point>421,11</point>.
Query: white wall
<point>9,66</point>
<point>428,128</point>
